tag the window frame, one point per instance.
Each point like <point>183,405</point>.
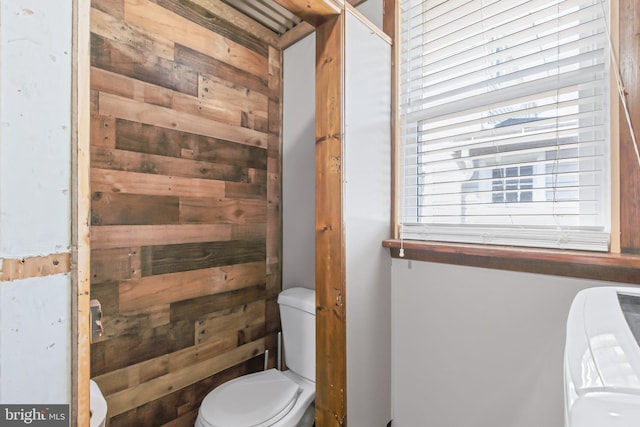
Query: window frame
<point>622,262</point>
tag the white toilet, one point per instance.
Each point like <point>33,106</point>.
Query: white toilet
<point>273,398</point>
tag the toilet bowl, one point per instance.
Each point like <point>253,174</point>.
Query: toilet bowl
<point>264,399</point>
<point>273,398</point>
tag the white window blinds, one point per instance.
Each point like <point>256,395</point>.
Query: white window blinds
<point>504,108</point>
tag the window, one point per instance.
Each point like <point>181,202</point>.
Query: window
<point>512,184</point>
<point>505,122</point>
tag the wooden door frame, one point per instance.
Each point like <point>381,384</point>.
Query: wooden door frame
<point>80,211</point>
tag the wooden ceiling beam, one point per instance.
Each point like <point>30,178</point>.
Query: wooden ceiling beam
<point>303,29</point>
<point>295,34</point>
<point>315,12</point>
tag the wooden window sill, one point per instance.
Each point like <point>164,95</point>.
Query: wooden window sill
<point>624,268</point>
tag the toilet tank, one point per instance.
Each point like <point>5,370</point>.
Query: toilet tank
<point>298,317</point>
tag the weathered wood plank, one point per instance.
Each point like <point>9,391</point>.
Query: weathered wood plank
<point>240,190</point>
<point>225,328</point>
<point>93,99</point>
<point>133,209</point>
<point>132,322</point>
<point>247,32</point>
<point>132,375</point>
<point>124,59</point>
<point>122,182</point>
<point>128,87</point>
<point>194,256</point>
<point>113,28</point>
<point>205,64</point>
<point>257,176</point>
<point>182,401</point>
<point>107,294</point>
<point>272,315</point>
<point>114,8</point>
<point>127,161</point>
<point>227,211</point>
<point>158,20</point>
<point>126,236</point>
<point>218,100</point>
<point>215,89</point>
<point>197,308</point>
<point>253,121</point>
<point>187,419</point>
<point>275,86</point>
<point>114,264</point>
<point>174,287</point>
<point>103,131</point>
<point>179,360</point>
<point>274,171</point>
<point>158,387</point>
<point>146,344</point>
<point>220,151</point>
<point>139,137</point>
<point>248,231</point>
<point>38,266</point>
<point>124,108</point>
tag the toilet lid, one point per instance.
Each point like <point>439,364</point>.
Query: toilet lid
<point>251,400</point>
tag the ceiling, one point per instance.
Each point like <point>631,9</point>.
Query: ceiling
<point>276,22</point>
<point>268,13</point>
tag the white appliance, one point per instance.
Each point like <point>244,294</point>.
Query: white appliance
<point>602,358</point>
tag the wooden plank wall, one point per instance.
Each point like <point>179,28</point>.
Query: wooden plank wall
<point>185,209</point>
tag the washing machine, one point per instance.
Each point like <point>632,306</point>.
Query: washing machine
<point>602,358</point>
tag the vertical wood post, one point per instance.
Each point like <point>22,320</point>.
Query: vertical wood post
<point>331,354</point>
<point>629,168</point>
<point>80,201</point>
<point>274,198</point>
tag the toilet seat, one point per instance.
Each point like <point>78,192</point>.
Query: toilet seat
<point>255,400</point>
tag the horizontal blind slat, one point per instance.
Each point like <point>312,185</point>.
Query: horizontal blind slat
<point>577,77</point>
<point>504,121</point>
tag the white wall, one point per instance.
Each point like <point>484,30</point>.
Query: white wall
<point>35,196</point>
<point>298,159</point>
<point>372,9</point>
<point>476,347</point>
<point>367,196</point>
